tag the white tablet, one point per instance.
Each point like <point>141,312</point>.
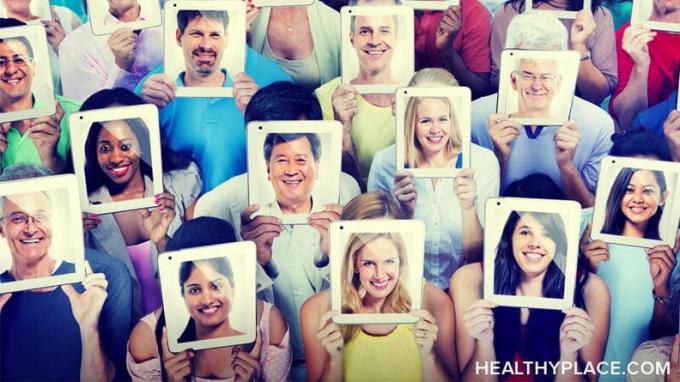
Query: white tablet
<point>657,15</point>
<point>529,7</point>
<point>104,16</point>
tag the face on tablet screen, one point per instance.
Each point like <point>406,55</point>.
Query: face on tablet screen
<point>536,82</point>
<point>202,35</point>
<point>27,227</point>
<point>374,38</point>
<point>17,70</point>
<point>667,11</point>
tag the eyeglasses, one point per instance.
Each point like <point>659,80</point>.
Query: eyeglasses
<point>18,218</point>
<point>17,60</point>
<point>544,79</point>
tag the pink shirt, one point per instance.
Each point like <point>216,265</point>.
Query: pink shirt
<point>471,42</point>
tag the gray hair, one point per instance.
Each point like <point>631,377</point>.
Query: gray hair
<point>354,3</point>
<point>22,171</point>
<point>273,139</point>
<point>536,31</point>
<point>395,19</point>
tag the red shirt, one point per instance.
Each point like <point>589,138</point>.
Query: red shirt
<point>471,41</point>
<point>664,51</point>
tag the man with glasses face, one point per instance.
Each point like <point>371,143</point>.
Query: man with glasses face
<point>16,75</point>
<point>536,82</point>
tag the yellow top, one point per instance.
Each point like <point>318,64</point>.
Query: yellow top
<point>383,358</point>
<point>373,128</point>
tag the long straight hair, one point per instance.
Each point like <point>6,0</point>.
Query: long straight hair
<point>573,5</point>
<point>615,220</point>
<point>414,155</point>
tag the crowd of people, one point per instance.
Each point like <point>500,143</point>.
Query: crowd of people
<point>111,326</point>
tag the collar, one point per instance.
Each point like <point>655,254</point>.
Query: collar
<point>226,84</point>
<point>533,134</point>
<point>110,19</point>
<point>102,195</point>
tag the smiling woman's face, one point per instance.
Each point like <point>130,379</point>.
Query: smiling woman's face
<point>118,151</point>
<point>642,197</point>
<point>433,125</point>
<point>208,295</point>
<point>532,246</point>
<point>378,266</point>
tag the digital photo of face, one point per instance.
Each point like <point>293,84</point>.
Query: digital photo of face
<point>119,8</point>
<point>532,246</point>
<point>635,203</point>
<point>24,10</point>
<point>118,151</point>
<point>26,225</point>
<point>16,74</point>
<point>374,38</point>
<point>667,11</point>
<point>536,82</point>
<point>293,168</point>
<point>208,292</point>
<point>377,265</point>
<point>432,133</point>
<point>203,42</point>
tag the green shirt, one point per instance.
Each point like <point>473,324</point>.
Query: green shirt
<point>22,149</point>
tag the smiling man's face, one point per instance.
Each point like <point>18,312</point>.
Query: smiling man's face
<point>203,43</point>
<point>374,39</point>
<point>536,82</point>
<point>16,71</point>
<point>26,226</point>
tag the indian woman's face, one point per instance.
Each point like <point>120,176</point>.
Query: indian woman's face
<point>433,125</point>
<point>378,266</point>
<point>208,295</point>
<point>642,197</point>
<point>118,151</point>
<point>532,246</point>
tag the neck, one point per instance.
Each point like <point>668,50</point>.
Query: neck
<point>16,104</point>
<point>531,286</point>
<point>634,230</point>
<point>24,15</point>
<point>128,15</point>
<point>302,207</point>
<point>213,80</point>
<point>222,330</point>
<point>129,190</point>
<point>23,271</point>
<point>367,77</point>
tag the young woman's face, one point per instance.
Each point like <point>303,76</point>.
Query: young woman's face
<point>208,295</point>
<point>118,151</point>
<point>642,197</point>
<point>532,246</point>
<point>378,266</point>
<point>433,125</point>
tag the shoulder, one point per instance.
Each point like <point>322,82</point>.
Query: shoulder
<point>658,350</point>
<point>77,37</point>
<point>315,306</point>
<point>485,105</point>
<point>482,159</point>
<point>262,69</point>
<point>69,105</point>
<point>277,325</point>
<point>326,12</point>
<point>222,197</point>
<point>596,290</point>
<point>385,157</point>
<point>474,8</point>
<point>324,91</point>
<point>467,276</point>
<point>349,188</point>
<point>504,13</point>
<point>603,14</point>
<point>142,344</point>
<point>435,298</point>
<point>594,117</point>
<point>188,176</point>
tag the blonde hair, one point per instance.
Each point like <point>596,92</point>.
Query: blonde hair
<point>430,77</point>
<point>372,205</point>
<point>398,301</point>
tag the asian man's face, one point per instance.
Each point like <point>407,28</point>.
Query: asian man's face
<point>203,43</point>
<point>374,38</point>
<point>16,70</point>
<point>293,171</point>
<point>536,82</point>
<point>26,226</point>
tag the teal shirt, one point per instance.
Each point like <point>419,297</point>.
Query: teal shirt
<point>22,149</point>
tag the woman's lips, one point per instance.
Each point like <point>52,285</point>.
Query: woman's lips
<point>637,209</point>
<point>119,171</point>
<point>380,284</point>
<point>533,256</point>
<point>208,311</point>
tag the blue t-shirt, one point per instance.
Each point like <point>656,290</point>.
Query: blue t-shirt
<point>653,118</point>
<point>40,338</point>
<point>211,130</point>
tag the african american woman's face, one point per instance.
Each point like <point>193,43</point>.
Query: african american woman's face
<point>642,198</point>
<point>118,151</point>
<point>532,246</point>
<point>208,295</point>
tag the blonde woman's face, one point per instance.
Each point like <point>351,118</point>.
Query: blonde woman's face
<point>433,124</point>
<point>377,264</point>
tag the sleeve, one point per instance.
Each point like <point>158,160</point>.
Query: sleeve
<point>604,47</point>
<point>488,179</point>
<point>64,143</point>
<point>601,147</point>
<point>499,28</point>
<point>81,74</point>
<point>276,361</point>
<point>477,33</point>
<point>115,323</point>
<point>625,66</point>
<point>263,70</point>
<point>149,370</point>
<point>653,118</point>
<point>323,94</point>
<point>379,178</point>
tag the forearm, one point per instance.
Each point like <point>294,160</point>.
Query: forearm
<point>350,161</point>
<point>591,83</point>
<point>567,373</point>
<point>633,99</point>
<point>472,235</point>
<point>658,326</point>
<point>431,370</point>
<point>160,244</point>
<point>482,359</point>
<point>333,371</point>
<point>574,186</point>
<point>94,366</point>
<point>479,83</point>
<point>54,163</point>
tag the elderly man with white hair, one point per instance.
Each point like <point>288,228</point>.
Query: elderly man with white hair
<point>570,154</point>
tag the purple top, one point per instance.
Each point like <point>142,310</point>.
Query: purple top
<point>141,256</point>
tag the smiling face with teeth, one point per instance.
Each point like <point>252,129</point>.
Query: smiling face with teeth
<point>118,151</point>
<point>293,170</point>
<point>433,132</point>
<point>203,42</point>
<point>208,296</point>
<point>377,264</point>
<point>26,227</point>
<point>536,82</point>
<point>16,77</point>
<point>642,199</point>
<point>532,246</point>
<point>374,39</point>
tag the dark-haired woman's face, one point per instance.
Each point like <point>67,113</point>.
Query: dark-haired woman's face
<point>208,295</point>
<point>532,246</point>
<point>118,151</point>
<point>642,197</point>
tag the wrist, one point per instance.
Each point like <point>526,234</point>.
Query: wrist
<point>568,356</point>
<point>89,332</point>
<point>567,166</point>
<point>661,294</point>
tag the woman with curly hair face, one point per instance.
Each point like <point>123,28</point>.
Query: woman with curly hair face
<point>374,267</point>
<point>530,259</point>
<point>635,204</point>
